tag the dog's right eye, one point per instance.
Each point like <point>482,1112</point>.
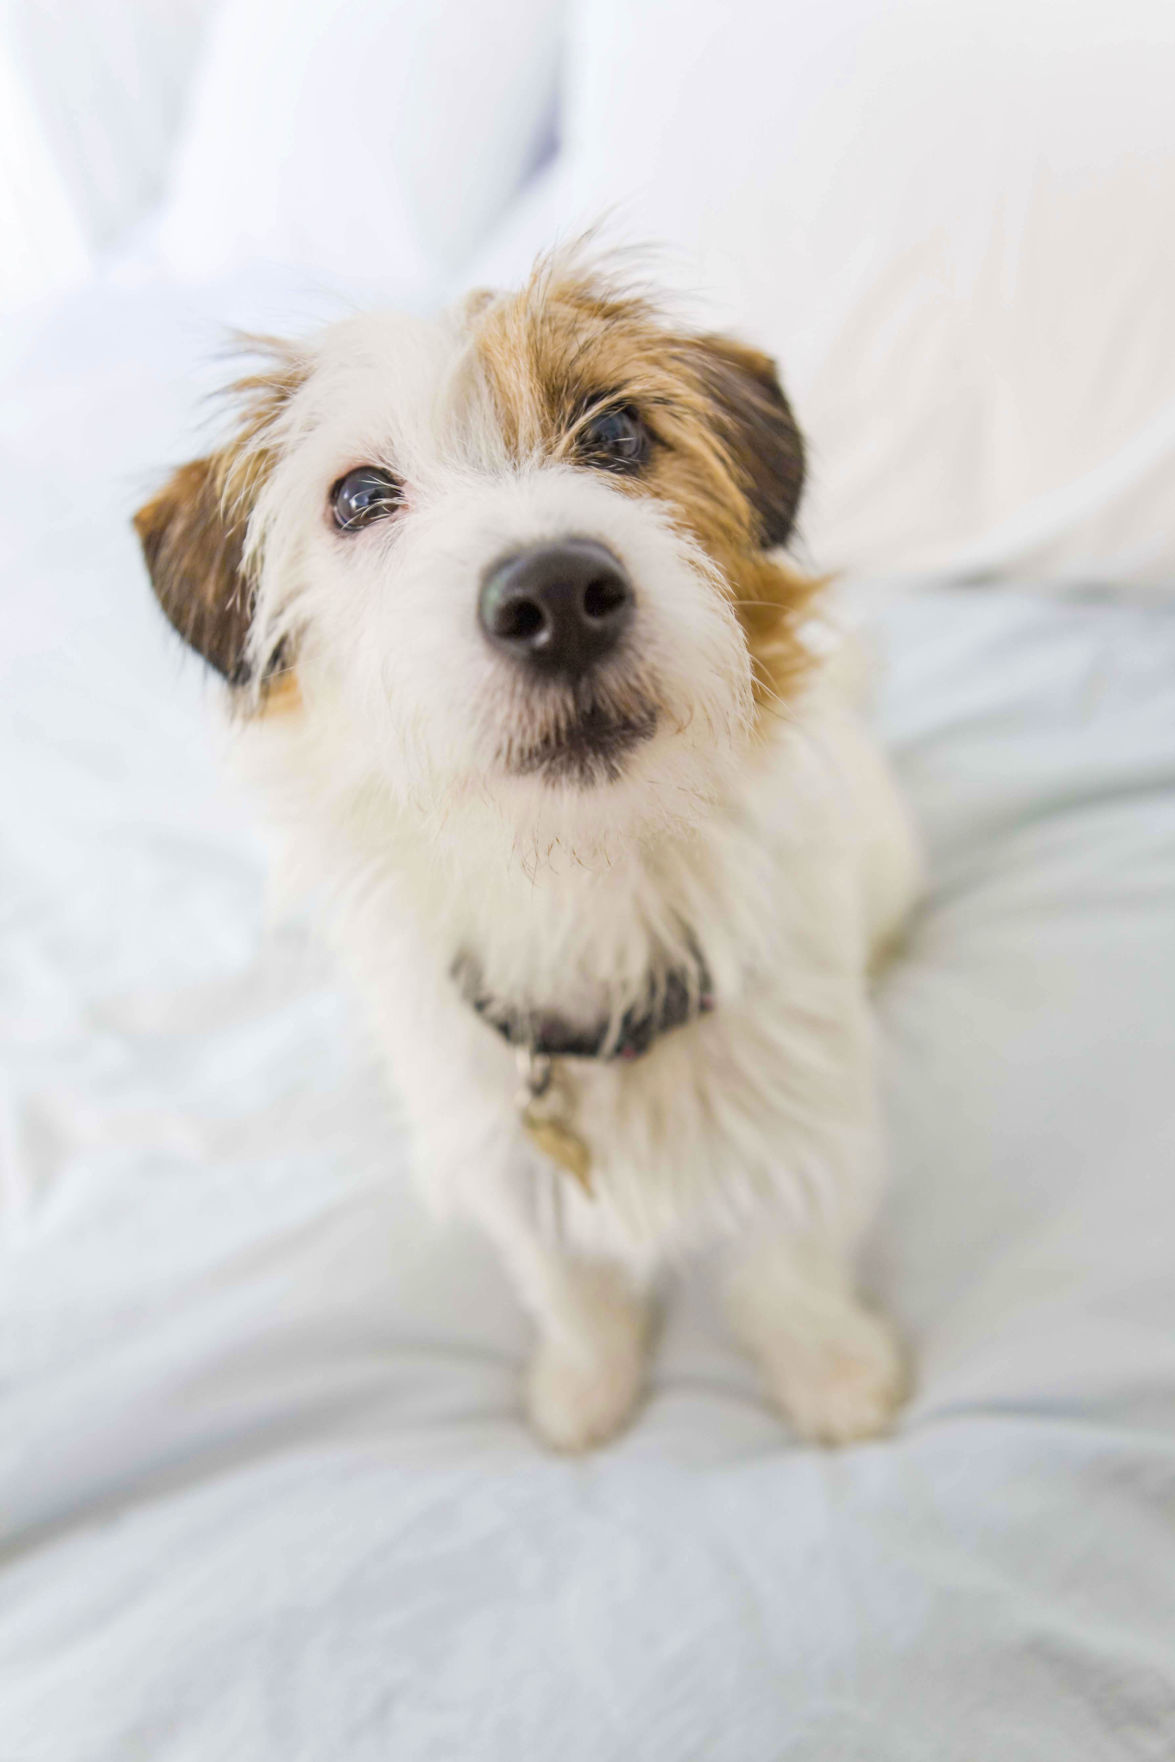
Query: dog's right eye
<point>364,495</point>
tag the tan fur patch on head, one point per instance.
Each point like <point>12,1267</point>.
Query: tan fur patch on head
<point>193,532</point>
<point>726,457</point>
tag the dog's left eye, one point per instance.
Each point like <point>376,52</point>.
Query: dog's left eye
<point>364,495</point>
<point>615,440</point>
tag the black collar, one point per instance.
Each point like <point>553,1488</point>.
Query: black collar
<point>675,996</point>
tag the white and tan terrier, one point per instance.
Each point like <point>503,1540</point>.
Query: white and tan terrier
<point>538,706</point>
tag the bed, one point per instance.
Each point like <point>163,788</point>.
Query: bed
<point>265,1489</point>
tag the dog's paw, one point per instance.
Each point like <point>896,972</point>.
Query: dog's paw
<point>840,1384</point>
<point>576,1403</point>
<point>582,1388</point>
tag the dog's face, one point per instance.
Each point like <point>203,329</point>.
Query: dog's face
<point>521,552</point>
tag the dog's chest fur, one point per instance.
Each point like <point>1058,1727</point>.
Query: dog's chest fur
<point>780,885</point>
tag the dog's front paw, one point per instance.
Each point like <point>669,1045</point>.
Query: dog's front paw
<point>840,1383</point>
<point>575,1403</point>
<point>583,1386</point>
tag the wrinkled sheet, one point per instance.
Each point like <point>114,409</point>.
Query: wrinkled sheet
<point>265,1490</point>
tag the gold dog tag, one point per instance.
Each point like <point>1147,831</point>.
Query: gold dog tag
<point>561,1144</point>
<point>544,1106</point>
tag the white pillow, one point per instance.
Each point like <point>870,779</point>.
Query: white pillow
<point>953,225</point>
<point>95,90</point>
<point>360,138</point>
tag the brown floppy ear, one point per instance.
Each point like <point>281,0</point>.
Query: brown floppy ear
<point>193,532</point>
<point>765,445</point>
<point>194,552</point>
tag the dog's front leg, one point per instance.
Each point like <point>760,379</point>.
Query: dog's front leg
<point>830,1363</point>
<point>587,1369</point>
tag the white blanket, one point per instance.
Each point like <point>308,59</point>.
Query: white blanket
<point>265,1491</point>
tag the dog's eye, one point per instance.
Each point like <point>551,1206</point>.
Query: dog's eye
<point>368,493</point>
<point>615,440</point>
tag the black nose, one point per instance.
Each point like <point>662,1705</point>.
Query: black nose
<point>561,608</point>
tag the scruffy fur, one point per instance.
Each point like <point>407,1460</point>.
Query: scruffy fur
<point>419,782</point>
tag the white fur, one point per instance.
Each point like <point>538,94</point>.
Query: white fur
<point>788,858</point>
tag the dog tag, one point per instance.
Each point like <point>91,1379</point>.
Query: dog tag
<point>543,1097</point>
<point>561,1144</point>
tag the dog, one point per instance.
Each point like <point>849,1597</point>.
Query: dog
<point>541,710</point>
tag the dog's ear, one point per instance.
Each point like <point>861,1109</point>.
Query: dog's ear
<point>759,429</point>
<point>194,551</point>
<point>193,532</point>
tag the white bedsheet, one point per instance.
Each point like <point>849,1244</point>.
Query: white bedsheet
<point>265,1491</point>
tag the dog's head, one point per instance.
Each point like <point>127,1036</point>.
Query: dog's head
<point>524,551</point>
